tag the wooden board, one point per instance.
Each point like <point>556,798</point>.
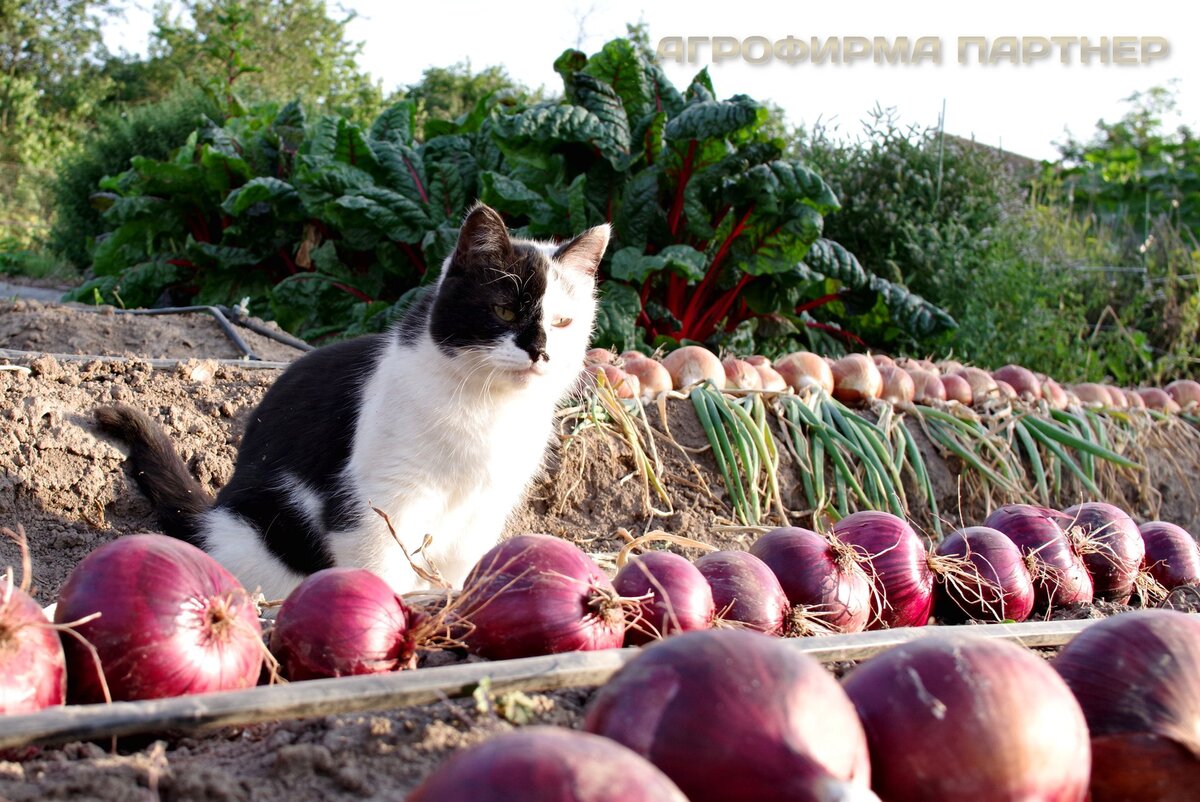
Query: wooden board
<point>407,688</point>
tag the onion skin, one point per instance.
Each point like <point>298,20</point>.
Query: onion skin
<point>964,718</point>
<point>1133,400</point>
<point>957,389</point>
<point>883,361</point>
<point>1054,394</point>
<point>897,563</point>
<point>818,576</point>
<point>172,622</point>
<point>1137,678</point>
<point>1122,550</point>
<point>537,594</point>
<point>680,597</point>
<point>547,764</point>
<point>691,364</point>
<point>1093,395</point>
<point>1059,574</point>
<point>1022,380</point>
<point>745,590</point>
<point>1155,398</point>
<point>340,622</point>
<point>652,377</point>
<point>1002,589</point>
<point>983,386</point>
<point>33,668</point>
<point>804,369</point>
<point>856,379</point>
<point>927,386</point>
<point>898,387</point>
<point>1184,392</point>
<point>732,715</point>
<point>771,379</point>
<point>1172,556</point>
<point>740,375</point>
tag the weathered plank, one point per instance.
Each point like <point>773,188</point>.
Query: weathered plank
<point>403,689</point>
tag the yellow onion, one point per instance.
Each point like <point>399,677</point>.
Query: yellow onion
<point>1156,398</point>
<point>856,380</point>
<point>1133,399</point>
<point>740,375</point>
<point>927,386</point>
<point>1022,380</point>
<point>1093,395</point>
<point>949,366</point>
<point>883,360</point>
<point>1007,391</point>
<point>622,383</point>
<point>957,389</point>
<point>771,379</point>
<point>652,376</point>
<point>804,369</point>
<point>758,359</point>
<point>599,356</point>
<point>983,386</point>
<point>1185,392</point>
<point>691,364</point>
<point>1053,393</point>
<point>898,387</point>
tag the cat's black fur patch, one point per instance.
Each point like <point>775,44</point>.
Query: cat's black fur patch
<point>305,427</point>
<point>464,314</point>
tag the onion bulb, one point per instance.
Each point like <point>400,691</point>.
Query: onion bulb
<point>1111,545</point>
<point>1022,380</point>
<point>957,389</point>
<point>172,622</point>
<point>1160,400</point>
<point>1137,677</point>
<point>1054,394</point>
<point>622,383</point>
<point>672,596</point>
<point>856,380</point>
<point>544,764</point>
<point>964,718</point>
<point>803,369</point>
<point>983,386</point>
<point>927,386</point>
<point>691,364</point>
<point>1055,565</point>
<point>997,585</point>
<point>33,669</point>
<point>733,715</point>
<point>339,622</point>
<point>898,564</point>
<point>822,578</point>
<point>1172,556</point>
<point>1093,395</point>
<point>537,594</point>
<point>898,387</point>
<point>652,377</point>
<point>745,591</point>
<point>740,375</point>
<point>1185,392</point>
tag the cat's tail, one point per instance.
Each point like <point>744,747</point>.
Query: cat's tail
<point>159,470</point>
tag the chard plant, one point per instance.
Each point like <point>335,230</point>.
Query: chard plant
<point>331,227</point>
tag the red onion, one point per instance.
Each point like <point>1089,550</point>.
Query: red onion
<point>897,563</point>
<point>673,596</point>
<point>1021,380</point>
<point>1112,548</point>
<point>856,379</point>
<point>1172,556</point>
<point>1059,574</point>
<point>732,715</point>
<point>804,369</point>
<point>964,718</point>
<point>342,621</point>
<point>172,622</point>
<point>997,587</point>
<point>693,363</point>
<point>547,764</point>
<point>537,594</point>
<point>1137,677</point>
<point>824,583</point>
<point>745,590</point>
<point>33,670</point>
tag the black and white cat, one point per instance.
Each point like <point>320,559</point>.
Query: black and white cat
<point>442,423</point>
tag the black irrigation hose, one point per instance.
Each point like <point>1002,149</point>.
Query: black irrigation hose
<point>222,315</point>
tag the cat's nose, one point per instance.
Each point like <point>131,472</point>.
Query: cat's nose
<point>539,355</point>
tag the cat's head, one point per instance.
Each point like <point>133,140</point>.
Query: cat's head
<point>513,311</point>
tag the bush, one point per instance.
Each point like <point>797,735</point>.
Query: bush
<point>152,131</point>
<point>332,228</point>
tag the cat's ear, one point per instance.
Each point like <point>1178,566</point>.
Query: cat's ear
<point>585,251</point>
<point>483,236</point>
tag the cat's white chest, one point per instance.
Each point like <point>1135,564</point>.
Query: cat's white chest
<point>446,461</point>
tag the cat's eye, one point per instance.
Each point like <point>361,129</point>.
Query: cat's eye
<point>505,313</point>
<point>560,322</point>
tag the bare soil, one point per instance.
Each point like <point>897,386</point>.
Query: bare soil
<point>66,485</point>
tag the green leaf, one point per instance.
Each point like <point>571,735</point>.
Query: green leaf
<point>435,247</point>
<point>616,316</point>
<point>401,169</point>
<point>395,124</point>
<point>601,100</point>
<point>783,247</point>
<point>713,119</point>
<point>288,125</point>
<point>686,261</point>
<point>577,209</point>
<point>263,189</point>
<point>621,66</point>
<point>512,197</point>
<point>530,135</point>
<point>632,265</point>
<point>570,62</point>
<point>640,208</point>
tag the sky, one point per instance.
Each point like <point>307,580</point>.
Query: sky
<point>1023,108</point>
